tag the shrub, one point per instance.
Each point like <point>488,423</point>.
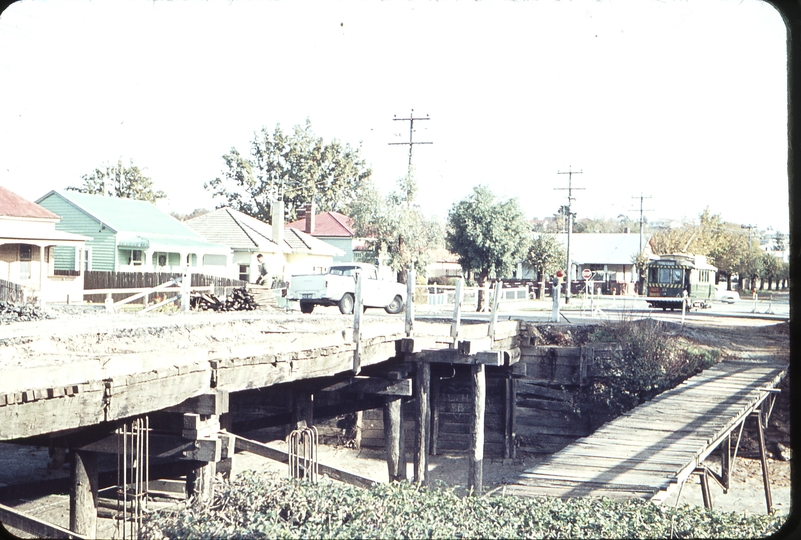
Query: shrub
<point>649,361</point>
<point>266,506</point>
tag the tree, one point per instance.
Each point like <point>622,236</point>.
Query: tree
<point>771,266</point>
<point>489,236</point>
<point>124,182</point>
<point>186,217</point>
<point>298,168</point>
<point>395,226</point>
<point>545,256</point>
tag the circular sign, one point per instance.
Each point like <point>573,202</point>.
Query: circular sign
<point>586,273</point>
<point>559,273</point>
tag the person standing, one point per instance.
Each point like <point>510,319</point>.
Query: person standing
<point>262,266</point>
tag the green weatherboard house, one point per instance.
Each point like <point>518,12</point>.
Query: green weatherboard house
<point>130,236</point>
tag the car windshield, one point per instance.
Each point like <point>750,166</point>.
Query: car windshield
<point>342,270</point>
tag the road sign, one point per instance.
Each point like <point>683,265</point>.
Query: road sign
<point>586,273</point>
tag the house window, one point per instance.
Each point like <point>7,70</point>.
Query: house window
<point>87,259</point>
<point>25,256</point>
<point>244,272</point>
<point>135,257</point>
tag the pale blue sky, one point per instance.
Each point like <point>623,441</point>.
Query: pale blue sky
<point>683,101</point>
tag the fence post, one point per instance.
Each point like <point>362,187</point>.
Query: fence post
<point>186,283</point>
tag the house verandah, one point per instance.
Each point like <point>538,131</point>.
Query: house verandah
<point>28,240</point>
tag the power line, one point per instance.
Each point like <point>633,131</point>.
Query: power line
<point>570,172</point>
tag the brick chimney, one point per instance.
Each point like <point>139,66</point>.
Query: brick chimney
<point>309,214</point>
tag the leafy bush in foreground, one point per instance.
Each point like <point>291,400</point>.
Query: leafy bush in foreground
<point>267,506</point>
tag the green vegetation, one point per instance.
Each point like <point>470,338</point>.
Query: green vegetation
<point>489,236</point>
<point>266,506</point>
<point>650,360</point>
<point>122,181</point>
<point>298,167</point>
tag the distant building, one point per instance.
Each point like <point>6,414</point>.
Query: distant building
<point>332,228</point>
<point>286,251</point>
<point>28,243</point>
<point>127,235</point>
<point>610,256</point>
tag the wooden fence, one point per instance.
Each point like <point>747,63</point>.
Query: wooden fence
<point>144,280</point>
<point>10,292</point>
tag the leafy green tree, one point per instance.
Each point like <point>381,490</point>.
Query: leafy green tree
<point>396,227</point>
<point>770,269</point>
<point>488,236</point>
<point>545,256</point>
<point>121,181</point>
<point>298,168</point>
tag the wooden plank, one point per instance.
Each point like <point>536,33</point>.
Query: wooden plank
<point>260,449</point>
<point>373,385</point>
<point>49,415</point>
<point>23,521</point>
<point>215,403</point>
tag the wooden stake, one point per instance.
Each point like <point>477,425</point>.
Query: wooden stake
<point>422,422</point>
<point>200,483</point>
<point>457,313</point>
<point>410,288</point>
<point>476,460</point>
<point>302,409</point>
<point>83,493</point>
<point>434,405</point>
<point>393,434</point>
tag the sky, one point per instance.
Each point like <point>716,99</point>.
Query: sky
<point>684,102</point>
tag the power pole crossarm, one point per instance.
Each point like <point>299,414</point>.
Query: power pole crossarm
<point>411,142</point>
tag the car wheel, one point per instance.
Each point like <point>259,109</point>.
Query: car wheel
<point>396,306</point>
<point>306,307</point>
<point>346,304</point>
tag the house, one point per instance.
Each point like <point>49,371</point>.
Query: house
<point>609,256</point>
<point>28,241</point>
<point>444,265</point>
<point>127,235</point>
<point>286,251</point>
<point>332,228</point>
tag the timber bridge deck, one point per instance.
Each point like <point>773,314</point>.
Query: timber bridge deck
<point>159,387</point>
<point>653,449</point>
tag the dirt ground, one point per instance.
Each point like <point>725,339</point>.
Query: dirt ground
<point>24,464</point>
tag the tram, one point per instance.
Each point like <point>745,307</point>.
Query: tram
<point>676,278</point>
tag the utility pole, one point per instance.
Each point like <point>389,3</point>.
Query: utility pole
<point>750,278</point>
<point>570,200</point>
<point>411,144</point>
<point>641,197</point>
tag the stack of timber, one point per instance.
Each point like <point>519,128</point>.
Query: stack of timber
<point>240,300</point>
<point>263,296</point>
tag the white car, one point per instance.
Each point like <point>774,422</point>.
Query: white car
<point>729,297</point>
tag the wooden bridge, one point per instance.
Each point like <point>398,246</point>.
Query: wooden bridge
<point>653,449</point>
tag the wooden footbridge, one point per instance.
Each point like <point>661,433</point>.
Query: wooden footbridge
<point>653,449</point>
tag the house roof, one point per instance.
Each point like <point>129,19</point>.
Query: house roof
<point>12,205</point>
<point>138,224</point>
<point>603,248</point>
<point>328,224</point>
<point>126,215</point>
<point>242,232</point>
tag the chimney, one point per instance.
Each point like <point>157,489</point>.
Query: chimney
<point>309,211</point>
<point>277,217</point>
